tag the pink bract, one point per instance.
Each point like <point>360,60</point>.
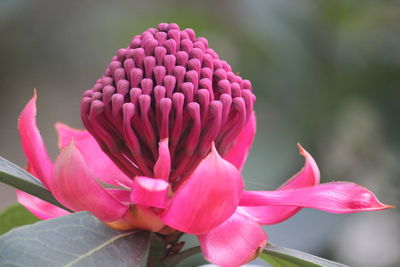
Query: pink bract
<point>169,126</point>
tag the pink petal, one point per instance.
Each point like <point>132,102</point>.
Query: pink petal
<point>335,197</point>
<point>208,197</point>
<point>162,167</point>
<point>40,208</point>
<point>32,143</point>
<point>122,195</point>
<point>309,175</point>
<point>74,187</point>
<point>96,160</point>
<point>269,214</point>
<point>238,153</point>
<point>234,242</point>
<point>149,192</point>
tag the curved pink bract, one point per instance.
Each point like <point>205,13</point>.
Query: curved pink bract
<point>32,143</point>
<point>335,197</point>
<point>96,160</point>
<point>75,187</point>
<point>234,242</point>
<point>237,155</point>
<point>206,198</point>
<point>40,208</point>
<point>149,192</point>
<point>309,175</point>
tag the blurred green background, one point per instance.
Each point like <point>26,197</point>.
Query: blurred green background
<point>326,74</point>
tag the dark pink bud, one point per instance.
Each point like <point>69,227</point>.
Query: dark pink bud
<point>161,37</point>
<point>175,35</point>
<point>149,45</point>
<point>169,63</point>
<point>208,61</point>
<point>196,53</point>
<point>191,34</point>
<point>147,86</point>
<point>194,64</point>
<point>136,76</point>
<point>182,58</point>
<point>129,64</point>
<point>170,45</point>
<point>159,53</point>
<point>149,64</point>
<point>135,42</point>
<point>159,74</point>
<point>186,45</point>
<point>166,84</point>
<point>169,83</point>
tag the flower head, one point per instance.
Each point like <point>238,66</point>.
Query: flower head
<point>169,126</point>
<point>167,84</point>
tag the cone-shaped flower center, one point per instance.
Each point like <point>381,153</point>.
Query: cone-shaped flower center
<point>166,84</point>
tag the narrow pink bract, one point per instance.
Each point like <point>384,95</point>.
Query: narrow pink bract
<point>75,187</point>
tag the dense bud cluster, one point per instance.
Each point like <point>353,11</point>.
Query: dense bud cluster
<point>166,84</point>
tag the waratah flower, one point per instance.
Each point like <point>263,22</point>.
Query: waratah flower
<point>169,126</point>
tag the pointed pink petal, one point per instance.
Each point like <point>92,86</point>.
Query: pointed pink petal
<point>149,192</point>
<point>162,167</point>
<point>40,208</point>
<point>96,160</point>
<point>309,175</point>
<point>335,197</point>
<point>74,187</point>
<point>269,214</point>
<point>208,197</point>
<point>32,143</point>
<point>238,153</point>
<point>234,242</point>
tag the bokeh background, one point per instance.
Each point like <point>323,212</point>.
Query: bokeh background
<point>326,74</point>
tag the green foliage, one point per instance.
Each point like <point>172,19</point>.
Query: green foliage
<point>286,257</point>
<point>15,216</point>
<point>78,239</point>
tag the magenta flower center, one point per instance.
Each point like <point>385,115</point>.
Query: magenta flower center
<point>166,84</point>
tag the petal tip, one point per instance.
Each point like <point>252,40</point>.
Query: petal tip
<point>302,151</point>
<point>385,207</point>
<point>59,125</point>
<point>29,110</point>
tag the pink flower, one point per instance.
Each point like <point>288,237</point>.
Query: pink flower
<point>169,125</point>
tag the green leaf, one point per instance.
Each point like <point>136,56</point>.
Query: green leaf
<point>17,177</point>
<point>14,216</point>
<point>78,239</point>
<point>286,257</point>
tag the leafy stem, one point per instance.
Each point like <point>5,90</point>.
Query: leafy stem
<point>176,258</point>
<point>164,251</point>
<point>157,251</point>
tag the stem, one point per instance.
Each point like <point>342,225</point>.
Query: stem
<point>157,252</point>
<point>176,258</point>
<point>160,255</point>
